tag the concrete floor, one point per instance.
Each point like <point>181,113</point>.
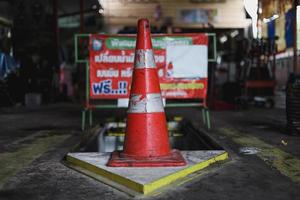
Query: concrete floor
<point>33,142</point>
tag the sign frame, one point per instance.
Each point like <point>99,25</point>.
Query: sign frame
<point>89,106</point>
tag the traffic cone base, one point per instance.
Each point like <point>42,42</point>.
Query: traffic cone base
<point>119,159</point>
<point>149,126</point>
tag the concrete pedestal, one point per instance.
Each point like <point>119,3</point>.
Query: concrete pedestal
<point>144,180</point>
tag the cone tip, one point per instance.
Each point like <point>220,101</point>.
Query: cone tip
<point>143,34</point>
<point>143,21</point>
<point>143,25</point>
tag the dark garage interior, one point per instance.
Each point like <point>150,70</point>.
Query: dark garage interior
<point>150,99</point>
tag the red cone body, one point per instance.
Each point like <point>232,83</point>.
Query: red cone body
<point>146,139</point>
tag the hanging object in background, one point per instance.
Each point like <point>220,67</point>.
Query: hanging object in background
<point>202,16</point>
<point>289,28</point>
<point>158,12</point>
<point>271,29</point>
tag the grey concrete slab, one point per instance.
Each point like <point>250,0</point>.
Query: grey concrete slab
<point>146,175</point>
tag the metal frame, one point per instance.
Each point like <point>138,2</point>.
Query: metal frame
<point>87,110</point>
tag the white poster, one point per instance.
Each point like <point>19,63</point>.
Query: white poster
<point>123,103</point>
<point>187,61</point>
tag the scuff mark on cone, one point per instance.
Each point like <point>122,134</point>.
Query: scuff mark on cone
<point>148,103</point>
<point>144,58</point>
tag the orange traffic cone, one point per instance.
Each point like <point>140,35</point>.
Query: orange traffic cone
<point>146,139</point>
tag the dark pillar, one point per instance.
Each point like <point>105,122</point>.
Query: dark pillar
<point>56,31</point>
<point>295,63</point>
<point>81,16</point>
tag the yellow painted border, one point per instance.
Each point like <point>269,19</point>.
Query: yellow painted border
<point>109,175</point>
<point>150,187</point>
<point>182,173</point>
<point>286,163</point>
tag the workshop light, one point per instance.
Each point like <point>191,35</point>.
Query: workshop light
<point>233,34</point>
<point>94,6</point>
<point>101,9</point>
<point>267,20</point>
<point>223,39</point>
<point>275,16</point>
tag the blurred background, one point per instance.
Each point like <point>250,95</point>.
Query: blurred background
<point>256,45</point>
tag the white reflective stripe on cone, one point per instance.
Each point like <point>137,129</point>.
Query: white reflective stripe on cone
<point>145,104</point>
<point>144,58</point>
